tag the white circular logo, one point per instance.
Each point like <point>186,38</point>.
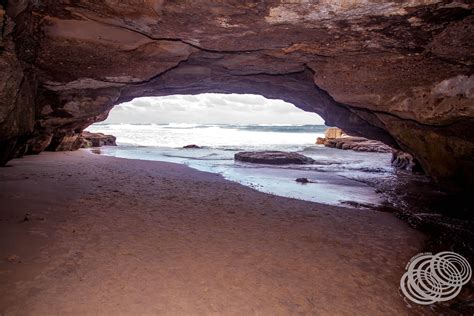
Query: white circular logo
<point>435,278</point>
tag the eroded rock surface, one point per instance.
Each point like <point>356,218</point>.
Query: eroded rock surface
<point>358,144</point>
<point>404,161</point>
<point>89,139</point>
<point>400,72</point>
<point>336,138</point>
<point>333,132</point>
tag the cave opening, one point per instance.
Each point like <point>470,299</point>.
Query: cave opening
<point>213,132</point>
<point>145,236</point>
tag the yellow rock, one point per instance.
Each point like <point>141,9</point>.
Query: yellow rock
<point>333,132</point>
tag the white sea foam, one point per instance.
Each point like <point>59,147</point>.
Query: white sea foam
<point>177,135</point>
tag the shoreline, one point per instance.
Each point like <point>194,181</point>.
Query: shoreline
<point>119,236</point>
<point>332,180</point>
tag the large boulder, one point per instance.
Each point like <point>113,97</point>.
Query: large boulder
<point>273,157</point>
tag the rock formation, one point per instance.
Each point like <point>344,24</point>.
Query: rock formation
<point>333,133</point>
<point>320,141</point>
<point>336,138</point>
<point>191,146</point>
<point>358,144</point>
<point>404,161</point>
<point>89,139</point>
<point>399,72</point>
<point>330,133</point>
<point>303,180</point>
<point>273,157</point>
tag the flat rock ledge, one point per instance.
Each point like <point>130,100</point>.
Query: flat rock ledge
<point>358,144</point>
<point>335,137</point>
<point>273,157</point>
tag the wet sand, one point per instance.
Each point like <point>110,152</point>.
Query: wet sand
<point>89,234</point>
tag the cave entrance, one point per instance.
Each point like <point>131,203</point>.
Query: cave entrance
<point>210,131</point>
<point>211,120</point>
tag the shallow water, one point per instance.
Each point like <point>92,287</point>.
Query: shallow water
<point>336,177</point>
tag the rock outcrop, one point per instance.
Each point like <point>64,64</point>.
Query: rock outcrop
<point>191,146</point>
<point>303,180</point>
<point>404,161</point>
<point>89,139</point>
<point>336,138</point>
<point>320,141</point>
<point>273,157</point>
<point>358,144</point>
<point>400,72</point>
<point>333,133</point>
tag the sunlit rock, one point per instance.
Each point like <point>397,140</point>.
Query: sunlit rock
<point>89,139</point>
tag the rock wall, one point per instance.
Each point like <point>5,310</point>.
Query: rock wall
<point>17,93</point>
<point>396,71</point>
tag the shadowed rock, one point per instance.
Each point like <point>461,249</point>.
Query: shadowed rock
<point>273,157</point>
<point>302,180</point>
<point>404,161</point>
<point>192,146</point>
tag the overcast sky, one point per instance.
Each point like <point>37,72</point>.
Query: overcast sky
<point>212,109</point>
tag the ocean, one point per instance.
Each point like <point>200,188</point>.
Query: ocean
<point>339,177</point>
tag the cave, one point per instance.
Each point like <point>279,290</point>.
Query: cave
<point>374,70</point>
<point>398,72</point>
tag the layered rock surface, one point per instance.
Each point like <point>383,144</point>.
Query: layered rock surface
<point>336,138</point>
<point>399,72</point>
<point>358,144</point>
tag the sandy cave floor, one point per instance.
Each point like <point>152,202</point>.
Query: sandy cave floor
<point>116,236</point>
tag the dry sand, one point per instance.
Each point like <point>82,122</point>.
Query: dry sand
<point>114,236</point>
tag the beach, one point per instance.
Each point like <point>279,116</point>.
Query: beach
<point>337,177</point>
<point>89,234</point>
